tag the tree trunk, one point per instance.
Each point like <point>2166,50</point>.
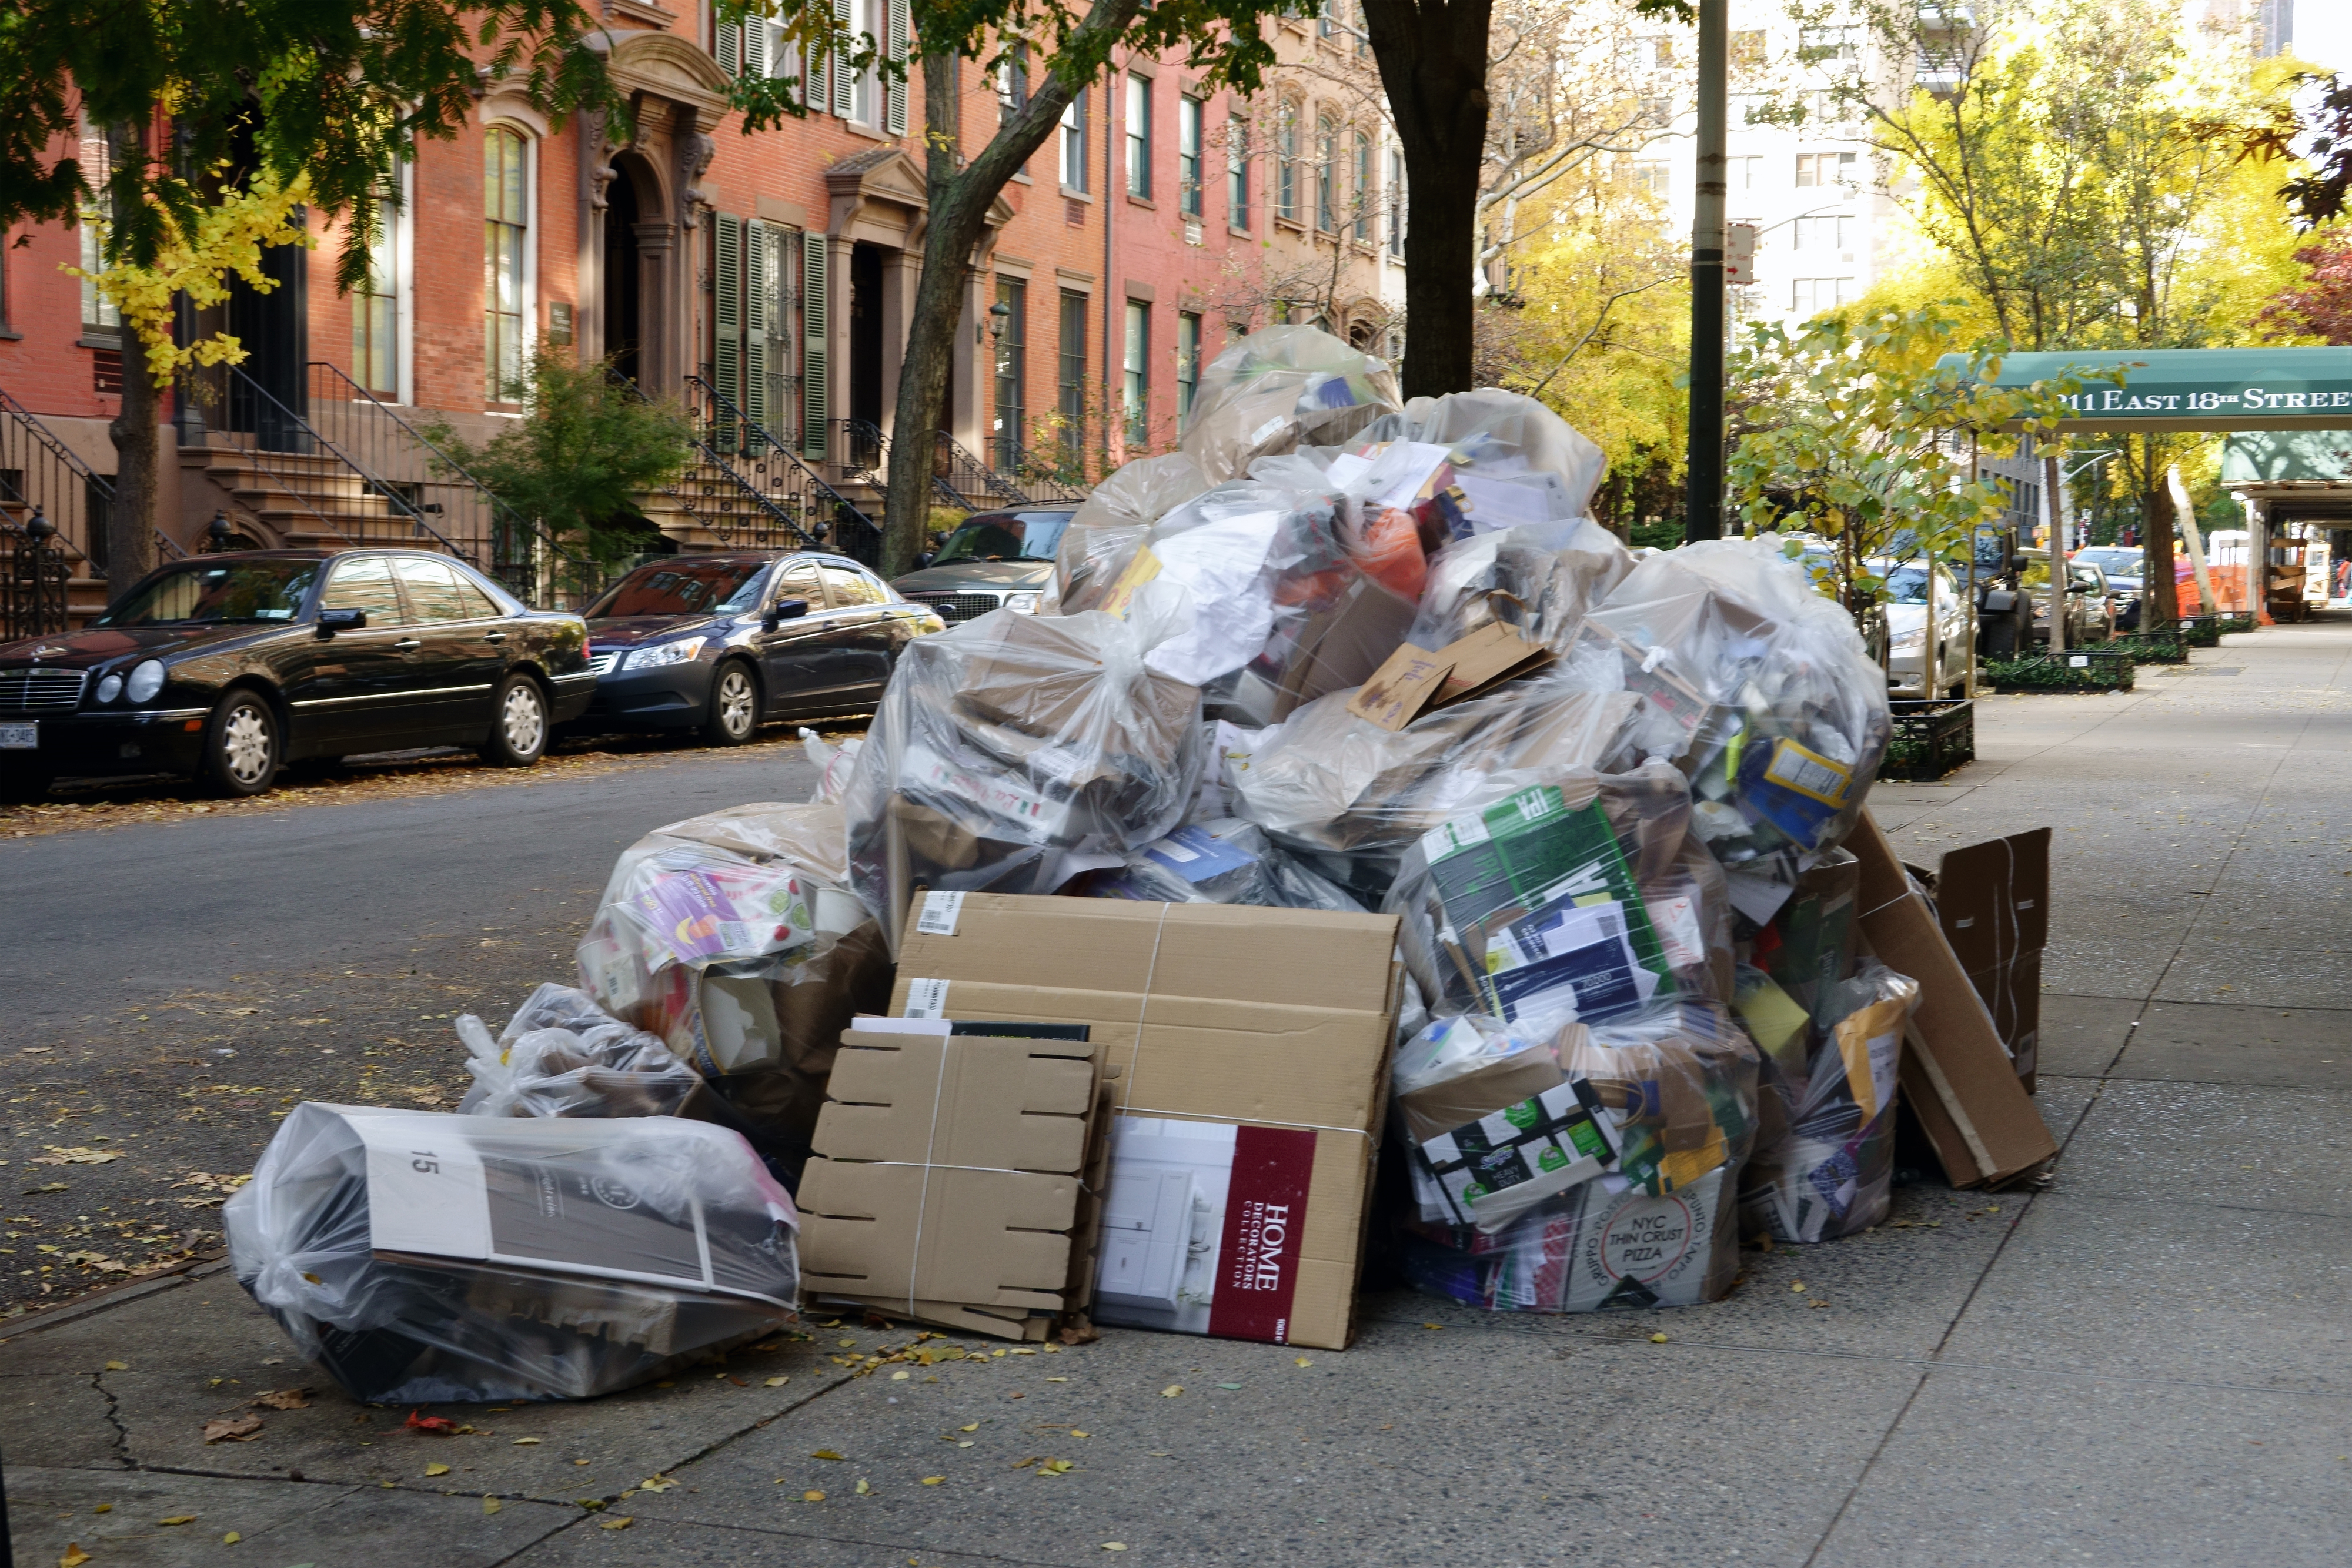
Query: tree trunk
<point>959,199</point>
<point>2159,601</point>
<point>131,521</point>
<point>1433,60</point>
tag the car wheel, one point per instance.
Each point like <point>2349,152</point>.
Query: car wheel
<point>242,744</point>
<point>733,716</point>
<point>518,723</point>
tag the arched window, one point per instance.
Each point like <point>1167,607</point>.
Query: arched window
<point>506,261</point>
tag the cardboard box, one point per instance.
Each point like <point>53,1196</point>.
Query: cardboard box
<point>948,1170</point>
<point>1956,1072</point>
<point>1252,1046</point>
<point>1992,904</point>
<point>1413,680</point>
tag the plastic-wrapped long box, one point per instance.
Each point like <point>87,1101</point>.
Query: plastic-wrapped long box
<point>416,1255</point>
<point>1250,1048</point>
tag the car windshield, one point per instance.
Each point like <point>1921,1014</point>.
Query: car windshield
<point>2114,562</point>
<point>217,591</point>
<point>1005,535</point>
<point>1909,585</point>
<point>684,588</point>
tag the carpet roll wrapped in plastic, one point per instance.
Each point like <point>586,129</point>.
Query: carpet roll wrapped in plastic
<point>415,1255</point>
<point>1279,389</point>
<point>1756,686</point>
<point>1013,751</point>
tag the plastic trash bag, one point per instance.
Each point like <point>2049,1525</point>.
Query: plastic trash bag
<point>832,763</point>
<point>417,1257</point>
<point>1109,523</point>
<point>1330,783</point>
<point>1013,752</point>
<point>1492,434</point>
<point>562,1055</point>
<point>1222,861</point>
<point>1828,1170</point>
<point>1278,389</point>
<point>761,1031</point>
<point>1756,686</point>
<point>1679,1080</point>
<point>1582,898</point>
<point>1542,578</point>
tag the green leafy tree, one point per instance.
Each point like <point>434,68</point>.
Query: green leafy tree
<point>576,462</point>
<point>1864,430</point>
<point>1041,52</point>
<point>331,93</point>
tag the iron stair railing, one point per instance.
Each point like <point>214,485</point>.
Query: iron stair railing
<point>31,452</point>
<point>772,475</point>
<point>1042,481</point>
<point>979,484</point>
<point>869,456</point>
<point>277,429</point>
<point>400,463</point>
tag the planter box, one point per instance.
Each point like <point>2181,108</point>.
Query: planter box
<point>1932,738</point>
<point>2145,648</point>
<point>2086,670</point>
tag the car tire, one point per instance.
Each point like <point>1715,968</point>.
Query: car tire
<point>518,723</point>
<point>732,717</point>
<point>243,745</point>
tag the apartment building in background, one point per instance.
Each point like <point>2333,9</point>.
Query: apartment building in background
<point>765,279</point>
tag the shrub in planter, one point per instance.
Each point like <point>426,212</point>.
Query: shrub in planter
<point>1932,738</point>
<point>2075,671</point>
<point>2151,647</point>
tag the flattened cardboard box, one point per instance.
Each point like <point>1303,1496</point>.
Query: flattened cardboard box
<point>948,1170</point>
<point>1955,1073</point>
<point>1992,902</point>
<point>1253,1045</point>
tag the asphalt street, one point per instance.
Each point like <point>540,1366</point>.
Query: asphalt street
<point>173,987</point>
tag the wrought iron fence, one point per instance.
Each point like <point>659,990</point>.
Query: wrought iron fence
<point>1044,482</point>
<point>33,579</point>
<point>751,490</point>
<point>869,455</point>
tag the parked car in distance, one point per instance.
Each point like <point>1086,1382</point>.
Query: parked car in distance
<point>722,643</point>
<point>2090,612</point>
<point>994,560</point>
<point>2124,568</point>
<point>228,666</point>
<point>1906,597</point>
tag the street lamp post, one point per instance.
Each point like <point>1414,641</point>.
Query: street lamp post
<point>1703,508</point>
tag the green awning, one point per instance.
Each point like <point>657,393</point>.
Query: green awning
<point>2303,475</point>
<point>2198,389</point>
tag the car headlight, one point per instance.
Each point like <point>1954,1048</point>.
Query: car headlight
<point>1910,642</point>
<point>146,681</point>
<point>110,689</point>
<point>1021,604</point>
<point>661,654</point>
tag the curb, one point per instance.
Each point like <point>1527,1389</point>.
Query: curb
<point>109,1296</point>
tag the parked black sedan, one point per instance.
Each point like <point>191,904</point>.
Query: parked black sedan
<point>227,666</point>
<point>720,642</point>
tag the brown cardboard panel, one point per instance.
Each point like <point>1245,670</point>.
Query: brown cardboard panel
<point>1401,687</point>
<point>1956,1070</point>
<point>1234,1016</point>
<point>971,1100</point>
<point>1487,657</point>
<point>1992,902</point>
<point>900,1232</point>
<point>1030,1327</point>
<point>1442,1107</point>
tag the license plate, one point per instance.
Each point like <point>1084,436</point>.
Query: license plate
<point>20,736</point>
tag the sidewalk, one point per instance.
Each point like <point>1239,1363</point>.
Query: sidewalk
<point>2146,1364</point>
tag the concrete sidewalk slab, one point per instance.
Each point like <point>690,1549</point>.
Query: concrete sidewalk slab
<point>2285,1150</point>
<point>2286,1047</point>
<point>2082,1035</point>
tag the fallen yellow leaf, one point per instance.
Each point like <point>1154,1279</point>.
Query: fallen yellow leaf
<point>863,1488</point>
<point>846,1344</point>
<point>75,1556</point>
<point>1799,1288</point>
<point>178,1518</point>
<point>1114,1546</point>
<point>1057,1380</point>
<point>974,1427</point>
<point>1432,1325</point>
<point>118,1366</point>
<point>933,1480</point>
<point>1303,1361</point>
<point>655,1484</point>
<point>437,1470</point>
<point>825,1454</point>
<point>1657,1339</point>
<point>1172,1390</point>
<point>1076,1433</point>
<point>231,1539</point>
<point>622,1523</point>
<point>812,1497</point>
<point>901,1376</point>
<point>524,1442</point>
<point>491,1505</point>
<point>778,1382</point>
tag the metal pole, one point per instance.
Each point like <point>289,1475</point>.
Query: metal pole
<point>1703,510</point>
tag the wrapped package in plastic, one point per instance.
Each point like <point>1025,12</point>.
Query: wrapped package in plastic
<point>1493,1127</point>
<point>1333,784</point>
<point>562,1055</point>
<point>761,1031</point>
<point>1831,1171</point>
<point>832,761</point>
<point>1221,861</point>
<point>1756,686</point>
<point>1110,522</point>
<point>1540,578</point>
<point>1581,898</point>
<point>1279,389</point>
<point>1013,752</point>
<point>419,1257</point>
<point>1672,1088</point>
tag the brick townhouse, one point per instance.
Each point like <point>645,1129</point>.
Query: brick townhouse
<point>764,278</point>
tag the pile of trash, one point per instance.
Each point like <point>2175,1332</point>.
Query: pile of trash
<point>1344,681</point>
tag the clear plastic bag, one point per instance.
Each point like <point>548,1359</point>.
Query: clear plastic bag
<point>1586,896</point>
<point>1679,1079</point>
<point>417,1257</point>
<point>1221,861</point>
<point>1756,685</point>
<point>832,762</point>
<point>1330,783</point>
<point>562,1055</point>
<point>1013,752</point>
<point>1541,578</point>
<point>1279,389</point>
<point>1110,522</point>
<point>1593,1249</point>
<point>1827,1170</point>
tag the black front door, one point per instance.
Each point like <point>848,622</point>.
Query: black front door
<point>866,333</point>
<point>621,317</point>
<point>271,397</point>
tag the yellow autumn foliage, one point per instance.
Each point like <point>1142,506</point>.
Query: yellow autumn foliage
<point>227,240</point>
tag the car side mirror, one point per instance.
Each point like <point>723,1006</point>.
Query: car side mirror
<point>333,621</point>
<point>783,610</point>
